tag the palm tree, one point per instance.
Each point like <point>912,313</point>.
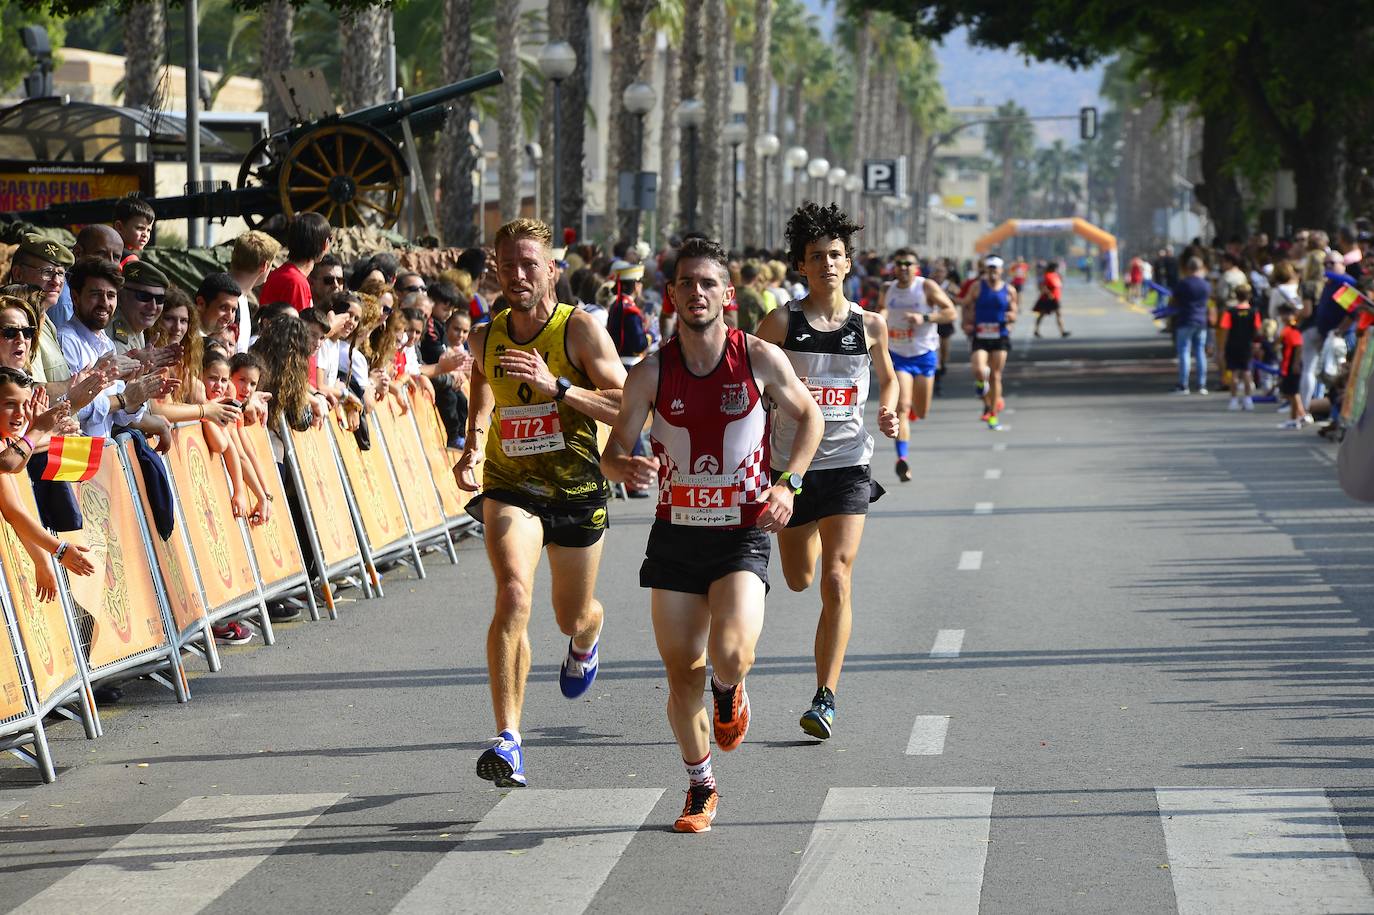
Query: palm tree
<point>715,83</point>
<point>624,147</point>
<point>145,28</point>
<point>362,63</point>
<point>690,87</point>
<point>754,190</point>
<point>508,115</point>
<point>863,46</point>
<point>276,53</point>
<point>457,156</point>
<point>1010,140</point>
<point>572,128</point>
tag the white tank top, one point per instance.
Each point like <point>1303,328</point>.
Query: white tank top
<point>904,338</point>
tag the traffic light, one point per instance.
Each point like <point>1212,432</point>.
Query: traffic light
<point>1087,123</point>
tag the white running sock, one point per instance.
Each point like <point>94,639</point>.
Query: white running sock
<point>700,773</point>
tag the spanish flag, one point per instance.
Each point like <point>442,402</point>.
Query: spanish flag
<point>1347,296</point>
<point>73,459</point>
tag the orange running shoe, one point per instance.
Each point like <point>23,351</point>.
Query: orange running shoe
<point>731,720</point>
<point>699,810</point>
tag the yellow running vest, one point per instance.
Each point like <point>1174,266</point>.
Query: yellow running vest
<point>536,446</point>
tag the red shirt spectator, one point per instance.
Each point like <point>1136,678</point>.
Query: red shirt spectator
<point>286,284</point>
<point>1053,285</point>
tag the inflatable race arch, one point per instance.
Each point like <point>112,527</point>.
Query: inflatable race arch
<point>1081,227</point>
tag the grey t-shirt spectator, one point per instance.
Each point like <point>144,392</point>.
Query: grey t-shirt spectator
<point>1190,301</point>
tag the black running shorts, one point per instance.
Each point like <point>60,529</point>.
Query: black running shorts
<point>837,491</point>
<point>565,524</point>
<point>999,345</point>
<point>689,559</point>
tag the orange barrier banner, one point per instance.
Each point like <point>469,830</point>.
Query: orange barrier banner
<point>412,470</point>
<point>42,624</point>
<point>274,543</point>
<point>379,503</point>
<point>174,560</point>
<point>122,603</point>
<point>12,702</point>
<point>433,444</point>
<point>226,573</point>
<point>324,491</point>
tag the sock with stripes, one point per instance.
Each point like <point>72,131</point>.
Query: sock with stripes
<point>902,449</point>
<point>699,773</point>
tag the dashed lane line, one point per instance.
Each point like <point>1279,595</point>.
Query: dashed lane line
<point>970,560</point>
<point>948,643</point>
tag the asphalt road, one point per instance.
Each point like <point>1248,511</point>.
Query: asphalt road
<point>1114,658</point>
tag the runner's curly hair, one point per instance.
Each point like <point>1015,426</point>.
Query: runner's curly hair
<point>813,222</point>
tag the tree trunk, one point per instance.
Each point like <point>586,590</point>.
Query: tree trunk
<point>145,29</point>
<point>554,20</point>
<point>716,78</point>
<point>624,148</point>
<point>863,51</point>
<point>362,64</point>
<point>458,156</point>
<point>668,145</point>
<point>277,54</point>
<point>509,153</point>
<point>1317,175</point>
<point>754,165</point>
<point>690,87</point>
<point>573,123</point>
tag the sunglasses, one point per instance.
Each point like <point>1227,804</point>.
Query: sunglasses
<point>144,296</point>
<point>420,288</point>
<point>905,263</point>
<point>14,333</point>
<point>331,281</point>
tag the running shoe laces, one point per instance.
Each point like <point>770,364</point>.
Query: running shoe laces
<point>699,810</point>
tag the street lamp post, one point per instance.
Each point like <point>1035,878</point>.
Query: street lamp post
<point>853,184</point>
<point>817,168</point>
<point>639,99</point>
<point>766,146</point>
<point>797,158</point>
<point>691,114</point>
<point>835,178</point>
<point>557,60</point>
<point>734,133</point>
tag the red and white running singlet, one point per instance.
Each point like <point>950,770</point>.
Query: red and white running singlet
<point>710,435</point>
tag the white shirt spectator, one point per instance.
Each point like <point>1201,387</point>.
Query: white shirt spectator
<point>82,347</point>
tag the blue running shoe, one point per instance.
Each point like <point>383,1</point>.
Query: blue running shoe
<point>819,720</point>
<point>503,763</point>
<point>576,677</point>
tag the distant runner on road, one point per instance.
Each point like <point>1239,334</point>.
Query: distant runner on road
<point>989,312</point>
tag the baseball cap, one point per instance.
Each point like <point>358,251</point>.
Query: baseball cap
<point>992,261</point>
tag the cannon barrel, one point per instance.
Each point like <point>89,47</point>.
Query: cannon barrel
<point>383,116</point>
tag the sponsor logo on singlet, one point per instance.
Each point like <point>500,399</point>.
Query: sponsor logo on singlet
<point>734,399</point>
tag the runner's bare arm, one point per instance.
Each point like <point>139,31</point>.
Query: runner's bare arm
<point>944,309</point>
<point>590,347</point>
<point>617,463</point>
<point>875,328</point>
<point>773,327</point>
<point>481,400</point>
<point>1012,304</point>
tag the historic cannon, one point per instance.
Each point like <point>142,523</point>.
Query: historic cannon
<point>348,167</point>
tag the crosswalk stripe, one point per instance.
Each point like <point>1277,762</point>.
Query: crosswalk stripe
<point>928,735</point>
<point>948,643</point>
<point>982,508</point>
<point>1259,850</point>
<point>970,560</point>
<point>1000,446</point>
<point>537,850</point>
<point>992,473</point>
<point>890,849</point>
<point>186,858</point>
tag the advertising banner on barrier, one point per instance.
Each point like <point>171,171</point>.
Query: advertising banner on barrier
<point>122,604</point>
<point>408,459</point>
<point>274,543</point>
<point>174,559</point>
<point>226,573</point>
<point>441,462</point>
<point>324,491</point>
<point>42,624</point>
<point>12,702</point>
<point>378,501</point>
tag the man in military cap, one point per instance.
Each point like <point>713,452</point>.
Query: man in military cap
<point>624,318</point>
<point>42,263</point>
<point>140,306</point>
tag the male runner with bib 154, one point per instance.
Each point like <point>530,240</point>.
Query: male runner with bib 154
<point>550,371</point>
<point>707,557</point>
<point>915,308</point>
<point>831,343</point>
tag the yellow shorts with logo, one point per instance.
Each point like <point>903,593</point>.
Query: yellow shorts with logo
<point>565,524</point>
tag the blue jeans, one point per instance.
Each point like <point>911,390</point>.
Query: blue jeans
<point>1191,344</point>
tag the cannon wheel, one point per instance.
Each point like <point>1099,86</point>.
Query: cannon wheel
<point>251,174</point>
<point>350,174</point>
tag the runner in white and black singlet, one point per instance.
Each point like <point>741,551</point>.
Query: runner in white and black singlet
<point>707,557</point>
<point>916,309</point>
<point>831,343</point>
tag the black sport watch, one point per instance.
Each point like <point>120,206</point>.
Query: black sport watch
<point>792,481</point>
<point>564,386</point>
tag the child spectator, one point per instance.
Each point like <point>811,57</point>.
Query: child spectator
<point>1290,367</point>
<point>307,240</point>
<point>224,441</point>
<point>1238,329</point>
<point>133,220</point>
<point>245,371</point>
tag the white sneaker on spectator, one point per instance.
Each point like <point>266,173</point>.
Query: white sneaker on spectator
<point>1248,405</point>
<point>1203,391</point>
<point>1181,392</point>
<point>1234,405</point>
<point>1307,419</point>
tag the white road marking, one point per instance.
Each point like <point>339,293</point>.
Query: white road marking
<point>982,508</point>
<point>9,807</point>
<point>1324,457</point>
<point>186,858</point>
<point>928,735</point>
<point>1259,850</point>
<point>537,850</point>
<point>1000,446</point>
<point>970,560</point>
<point>895,849</point>
<point>948,643</point>
<point>993,474</point>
